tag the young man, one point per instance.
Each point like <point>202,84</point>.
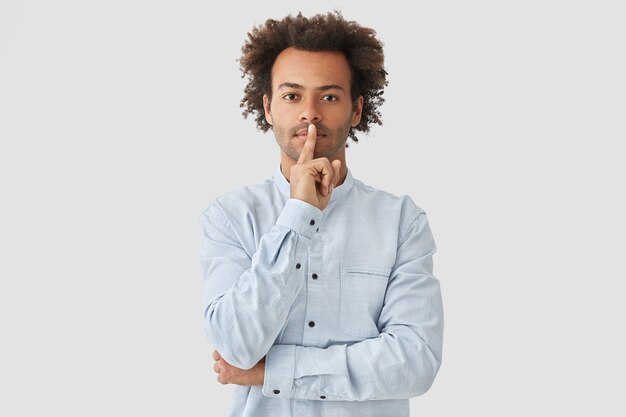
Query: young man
<point>318,289</point>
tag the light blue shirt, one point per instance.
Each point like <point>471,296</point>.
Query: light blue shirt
<point>342,301</point>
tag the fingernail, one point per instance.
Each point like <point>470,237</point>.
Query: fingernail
<point>310,127</point>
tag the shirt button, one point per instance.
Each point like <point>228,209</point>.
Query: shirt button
<point>276,391</point>
<point>314,276</point>
<point>323,397</point>
<point>311,324</point>
<point>312,222</point>
<point>297,266</point>
<point>318,229</point>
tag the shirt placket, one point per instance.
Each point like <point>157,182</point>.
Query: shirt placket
<point>312,324</point>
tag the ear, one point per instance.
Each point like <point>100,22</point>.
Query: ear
<point>267,107</point>
<point>356,114</point>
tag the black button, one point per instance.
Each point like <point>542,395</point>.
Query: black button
<point>276,391</point>
<point>312,222</point>
<point>314,276</point>
<point>311,324</point>
<point>323,397</point>
<point>318,229</point>
<point>297,266</point>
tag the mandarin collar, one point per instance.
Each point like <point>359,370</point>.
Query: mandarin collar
<point>339,192</point>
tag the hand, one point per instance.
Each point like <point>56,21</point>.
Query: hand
<point>228,374</point>
<point>312,180</point>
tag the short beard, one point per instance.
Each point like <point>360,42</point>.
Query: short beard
<point>340,132</point>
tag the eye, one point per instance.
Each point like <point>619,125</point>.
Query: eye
<point>289,97</point>
<point>330,97</point>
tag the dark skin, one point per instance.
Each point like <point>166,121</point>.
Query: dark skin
<point>311,179</point>
<point>229,374</point>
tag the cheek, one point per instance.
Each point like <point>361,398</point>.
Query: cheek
<point>284,118</point>
<point>340,116</point>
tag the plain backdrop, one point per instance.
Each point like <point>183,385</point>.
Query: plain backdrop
<point>120,122</point>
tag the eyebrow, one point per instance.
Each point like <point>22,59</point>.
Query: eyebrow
<point>301,87</point>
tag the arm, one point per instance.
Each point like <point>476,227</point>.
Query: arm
<point>247,299</point>
<point>401,362</point>
<point>228,374</point>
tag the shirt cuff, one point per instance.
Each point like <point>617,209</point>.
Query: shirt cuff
<point>311,361</point>
<point>279,371</point>
<point>300,217</point>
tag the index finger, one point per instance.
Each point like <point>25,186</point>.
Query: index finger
<point>309,145</point>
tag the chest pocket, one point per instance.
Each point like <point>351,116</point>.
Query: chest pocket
<point>361,299</point>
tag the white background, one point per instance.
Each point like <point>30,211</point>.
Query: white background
<point>120,121</point>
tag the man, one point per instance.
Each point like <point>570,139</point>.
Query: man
<point>318,289</point>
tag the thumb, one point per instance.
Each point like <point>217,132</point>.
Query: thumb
<point>337,170</point>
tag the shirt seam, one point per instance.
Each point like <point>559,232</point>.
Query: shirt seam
<point>418,214</point>
<point>223,218</point>
<point>291,262</point>
<point>369,188</point>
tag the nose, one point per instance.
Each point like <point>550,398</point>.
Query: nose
<point>310,113</point>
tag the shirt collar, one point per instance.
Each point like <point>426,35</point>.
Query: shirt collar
<point>338,192</point>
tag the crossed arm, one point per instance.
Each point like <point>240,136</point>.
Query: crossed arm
<point>229,374</point>
<point>401,362</point>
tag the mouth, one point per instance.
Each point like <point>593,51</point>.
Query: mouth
<point>303,133</point>
<point>303,137</point>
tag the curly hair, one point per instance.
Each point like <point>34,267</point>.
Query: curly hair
<point>329,32</point>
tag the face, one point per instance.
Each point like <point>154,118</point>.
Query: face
<point>311,87</point>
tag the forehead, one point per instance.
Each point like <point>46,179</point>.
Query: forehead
<point>311,69</point>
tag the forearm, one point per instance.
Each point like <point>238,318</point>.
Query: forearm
<point>398,364</point>
<point>401,362</point>
<point>243,322</point>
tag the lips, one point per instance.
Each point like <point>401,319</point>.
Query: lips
<point>303,133</point>
<point>306,131</point>
<point>304,136</point>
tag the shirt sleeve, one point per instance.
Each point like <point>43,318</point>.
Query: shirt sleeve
<point>401,362</point>
<point>247,298</point>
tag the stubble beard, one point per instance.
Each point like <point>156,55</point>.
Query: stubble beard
<point>292,146</point>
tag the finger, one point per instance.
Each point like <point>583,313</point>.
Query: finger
<point>309,145</point>
<point>326,174</point>
<point>337,172</point>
